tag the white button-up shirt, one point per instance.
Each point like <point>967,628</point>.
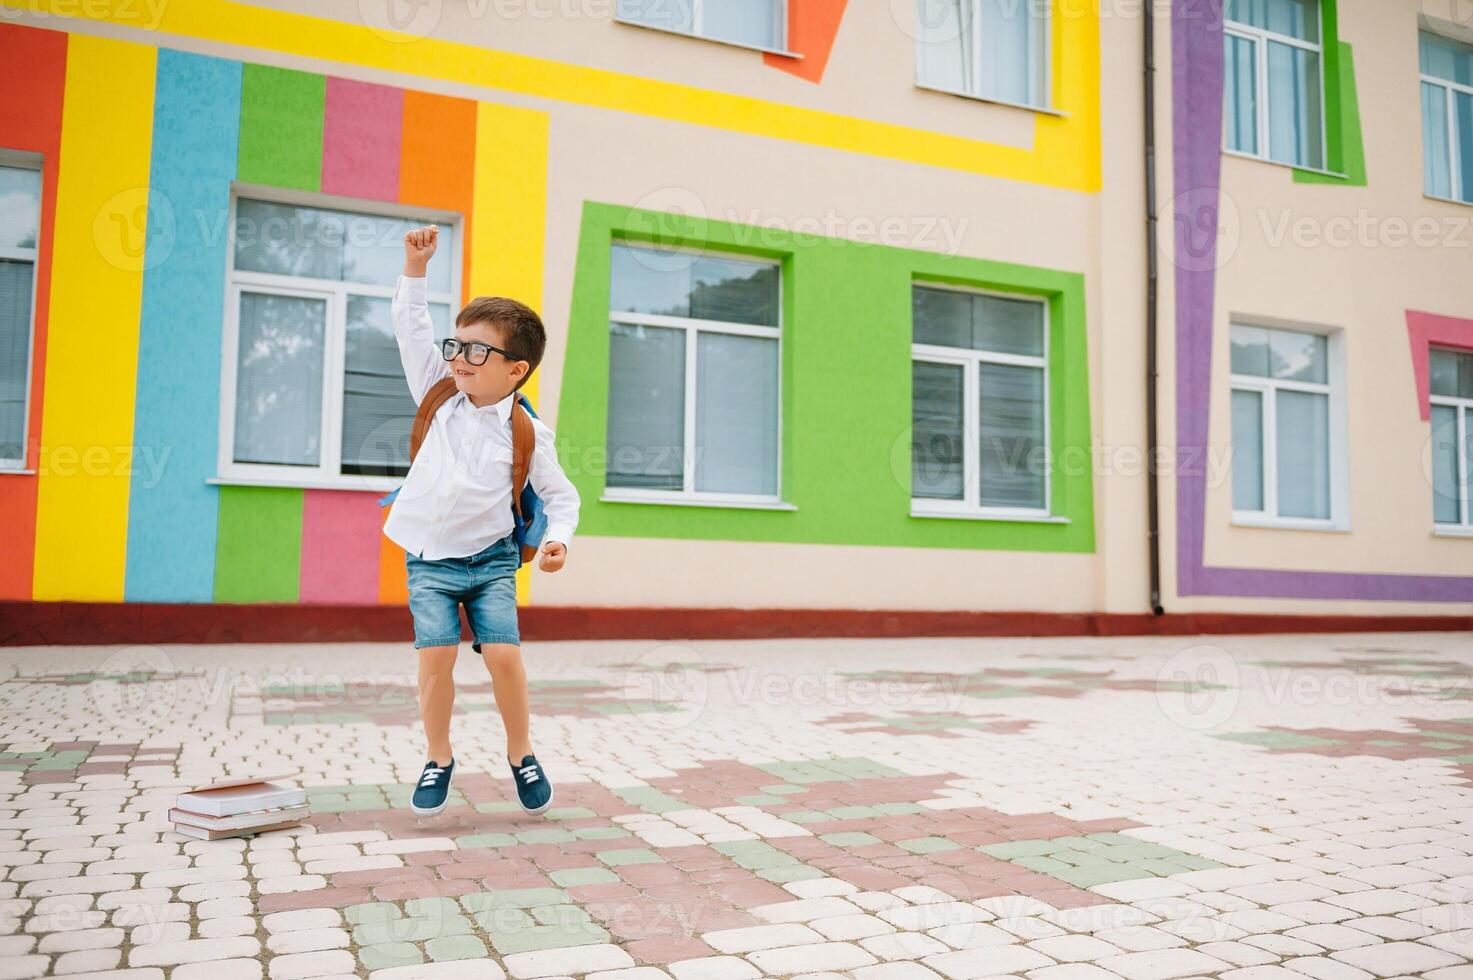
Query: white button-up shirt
<point>456,500</point>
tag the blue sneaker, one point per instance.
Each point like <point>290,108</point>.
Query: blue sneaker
<point>533,789</point>
<point>433,789</point>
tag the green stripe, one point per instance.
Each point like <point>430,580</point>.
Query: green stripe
<point>846,397</point>
<point>1345,151</point>
<point>281,127</point>
<point>259,554</point>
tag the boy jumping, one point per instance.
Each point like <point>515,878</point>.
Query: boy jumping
<point>453,515</point>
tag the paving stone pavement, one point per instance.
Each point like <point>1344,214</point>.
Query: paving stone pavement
<point>1065,809</point>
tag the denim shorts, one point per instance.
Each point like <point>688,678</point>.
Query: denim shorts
<point>485,583</point>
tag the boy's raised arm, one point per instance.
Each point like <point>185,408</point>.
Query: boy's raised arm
<point>413,328</point>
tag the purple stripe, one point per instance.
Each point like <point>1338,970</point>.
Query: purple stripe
<point>1197,82</point>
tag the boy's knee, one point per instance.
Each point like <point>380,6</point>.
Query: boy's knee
<point>438,658</point>
<point>499,654</point>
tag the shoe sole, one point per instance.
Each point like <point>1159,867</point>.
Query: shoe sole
<point>550,794</point>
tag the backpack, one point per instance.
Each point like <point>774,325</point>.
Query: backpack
<point>529,520</point>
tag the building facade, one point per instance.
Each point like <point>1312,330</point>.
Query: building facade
<point>847,303</point>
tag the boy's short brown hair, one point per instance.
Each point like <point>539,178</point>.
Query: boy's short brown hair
<point>524,333</point>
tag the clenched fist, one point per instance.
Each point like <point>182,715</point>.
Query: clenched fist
<point>554,553</point>
<point>419,245</point>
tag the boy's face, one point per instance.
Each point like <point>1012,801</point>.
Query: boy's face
<point>490,382</point>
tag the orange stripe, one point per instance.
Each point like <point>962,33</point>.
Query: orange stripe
<point>812,27</point>
<point>437,167</point>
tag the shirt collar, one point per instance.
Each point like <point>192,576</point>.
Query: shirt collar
<point>503,407</point>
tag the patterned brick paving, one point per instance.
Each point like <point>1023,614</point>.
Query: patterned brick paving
<point>1252,808</point>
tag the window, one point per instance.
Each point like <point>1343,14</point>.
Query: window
<point>1451,387</point>
<point>1274,91</point>
<point>750,23</point>
<point>1447,118</point>
<point>313,392</point>
<point>20,222</point>
<point>979,404</point>
<point>693,377</point>
<point>988,49</point>
<point>1287,441</point>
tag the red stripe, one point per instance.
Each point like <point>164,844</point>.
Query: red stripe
<point>360,139</point>
<point>32,623</point>
<point>33,80</point>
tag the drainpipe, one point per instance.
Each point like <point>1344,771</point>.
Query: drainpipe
<point>1153,501</point>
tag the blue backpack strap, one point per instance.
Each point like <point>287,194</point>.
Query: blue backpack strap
<point>529,518</point>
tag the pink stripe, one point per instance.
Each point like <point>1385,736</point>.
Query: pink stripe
<point>361,131</point>
<point>340,547</point>
<point>1424,330</point>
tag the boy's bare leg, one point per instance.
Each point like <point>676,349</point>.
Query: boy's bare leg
<point>436,698</point>
<point>509,684</point>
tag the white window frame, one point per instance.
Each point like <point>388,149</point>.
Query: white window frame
<point>1464,408</point>
<point>688,494</point>
<point>970,360</point>
<point>327,474</point>
<point>23,160</point>
<point>1045,23</point>
<point>1454,161</point>
<point>696,21</point>
<point>1267,389</point>
<point>1260,37</point>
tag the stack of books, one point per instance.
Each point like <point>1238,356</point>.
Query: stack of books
<point>238,807</point>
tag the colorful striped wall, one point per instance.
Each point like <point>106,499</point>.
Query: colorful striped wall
<point>125,400</point>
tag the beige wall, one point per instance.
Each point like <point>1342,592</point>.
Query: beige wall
<point>1279,264</point>
<point>870,74</point>
<point>649,162</point>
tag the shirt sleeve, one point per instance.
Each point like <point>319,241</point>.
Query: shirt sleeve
<point>559,496</point>
<point>415,333</point>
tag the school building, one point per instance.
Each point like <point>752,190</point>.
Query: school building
<point>863,317</point>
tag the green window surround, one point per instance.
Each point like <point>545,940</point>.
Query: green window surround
<point>846,404</point>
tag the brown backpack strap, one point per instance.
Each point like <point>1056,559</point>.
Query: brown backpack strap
<point>440,392</point>
<point>523,441</point>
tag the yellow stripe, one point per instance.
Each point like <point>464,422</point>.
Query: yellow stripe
<point>1065,151</point>
<point>92,335</point>
<point>509,220</point>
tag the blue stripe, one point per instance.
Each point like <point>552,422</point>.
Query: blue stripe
<point>172,511</point>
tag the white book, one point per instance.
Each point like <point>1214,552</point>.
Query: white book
<point>239,821</point>
<point>201,833</point>
<point>228,797</point>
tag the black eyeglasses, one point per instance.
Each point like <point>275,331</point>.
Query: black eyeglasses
<point>475,352</point>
